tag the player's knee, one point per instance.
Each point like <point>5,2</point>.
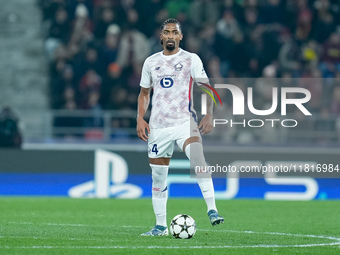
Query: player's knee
<point>159,175</point>
<point>194,152</point>
<point>158,178</point>
<point>190,140</point>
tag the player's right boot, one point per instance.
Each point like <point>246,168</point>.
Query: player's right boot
<point>157,231</point>
<point>215,218</point>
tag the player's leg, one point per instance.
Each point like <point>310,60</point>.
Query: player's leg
<point>190,141</point>
<point>160,151</point>
<point>159,168</point>
<point>194,151</point>
<point>159,189</point>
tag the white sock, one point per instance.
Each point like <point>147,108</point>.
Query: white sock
<point>159,192</point>
<point>194,152</point>
<point>207,189</point>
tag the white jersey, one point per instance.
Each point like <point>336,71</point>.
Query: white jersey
<point>172,77</point>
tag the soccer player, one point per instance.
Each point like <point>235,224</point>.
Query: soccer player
<point>170,73</point>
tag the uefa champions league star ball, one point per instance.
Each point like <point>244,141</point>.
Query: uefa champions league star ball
<point>183,226</point>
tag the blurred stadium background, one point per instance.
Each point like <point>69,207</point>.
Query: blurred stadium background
<point>70,72</point>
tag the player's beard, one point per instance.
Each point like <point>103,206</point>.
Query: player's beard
<point>170,47</point>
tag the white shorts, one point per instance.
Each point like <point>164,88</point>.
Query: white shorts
<point>161,142</point>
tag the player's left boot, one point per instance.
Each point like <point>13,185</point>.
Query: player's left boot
<point>157,231</point>
<point>215,218</point>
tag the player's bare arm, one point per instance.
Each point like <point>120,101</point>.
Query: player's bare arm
<point>143,104</point>
<point>206,123</point>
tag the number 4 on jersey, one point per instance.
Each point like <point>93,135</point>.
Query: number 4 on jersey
<point>154,149</point>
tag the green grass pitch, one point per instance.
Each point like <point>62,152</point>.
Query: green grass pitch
<point>112,226</point>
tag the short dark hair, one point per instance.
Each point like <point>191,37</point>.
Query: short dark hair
<point>171,21</point>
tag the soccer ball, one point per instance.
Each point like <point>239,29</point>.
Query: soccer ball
<point>183,226</point>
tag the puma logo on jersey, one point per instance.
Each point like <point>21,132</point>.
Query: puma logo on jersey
<point>157,68</point>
